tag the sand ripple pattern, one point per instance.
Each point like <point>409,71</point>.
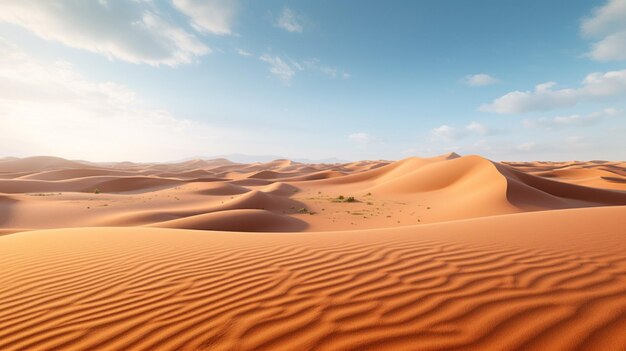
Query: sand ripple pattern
<point>438,287</point>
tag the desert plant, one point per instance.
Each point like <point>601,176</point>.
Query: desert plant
<point>96,191</point>
<point>342,198</point>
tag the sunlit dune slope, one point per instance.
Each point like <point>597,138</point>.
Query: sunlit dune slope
<point>47,192</point>
<point>550,280</point>
<point>416,190</point>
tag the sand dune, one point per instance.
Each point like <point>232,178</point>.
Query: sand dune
<point>257,199</point>
<point>37,163</point>
<point>63,174</point>
<point>316,176</point>
<point>416,190</point>
<point>599,174</point>
<point>244,220</point>
<point>271,175</point>
<point>141,184</point>
<point>222,189</point>
<point>501,283</point>
<point>406,192</point>
<point>111,184</point>
<point>529,190</point>
<point>443,253</point>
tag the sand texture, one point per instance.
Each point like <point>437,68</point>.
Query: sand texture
<point>444,253</point>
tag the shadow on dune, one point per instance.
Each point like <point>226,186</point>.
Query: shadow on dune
<point>531,192</point>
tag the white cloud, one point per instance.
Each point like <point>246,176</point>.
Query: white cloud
<point>243,52</point>
<point>129,31</point>
<point>445,132</point>
<point>49,108</point>
<point>286,68</point>
<point>279,67</point>
<point>608,25</point>
<point>571,120</point>
<point>315,65</point>
<point>448,133</point>
<point>476,127</point>
<point>480,79</point>
<point>299,66</point>
<point>290,21</point>
<point>596,86</point>
<point>208,16</point>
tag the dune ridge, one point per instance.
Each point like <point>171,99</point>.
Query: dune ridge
<point>388,194</point>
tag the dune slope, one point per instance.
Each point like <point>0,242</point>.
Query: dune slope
<point>552,280</point>
<point>48,192</point>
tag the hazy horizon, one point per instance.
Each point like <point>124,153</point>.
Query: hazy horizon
<point>156,81</point>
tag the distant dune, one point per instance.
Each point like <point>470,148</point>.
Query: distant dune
<point>48,192</point>
<point>444,253</point>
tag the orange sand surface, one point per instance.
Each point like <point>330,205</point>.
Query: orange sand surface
<point>286,196</point>
<point>444,253</point>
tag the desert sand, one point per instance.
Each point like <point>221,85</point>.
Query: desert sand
<point>444,253</point>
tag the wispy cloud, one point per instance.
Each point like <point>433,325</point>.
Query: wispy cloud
<point>575,120</point>
<point>286,68</point>
<point>48,107</point>
<point>279,67</point>
<point>450,133</point>
<point>608,25</point>
<point>290,21</point>
<point>595,86</point>
<point>445,133</point>
<point>315,65</point>
<point>476,127</point>
<point>129,31</point>
<point>209,16</point>
<point>480,80</point>
<point>243,52</point>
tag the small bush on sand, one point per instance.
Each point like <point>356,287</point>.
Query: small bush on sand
<point>342,198</point>
<point>96,191</point>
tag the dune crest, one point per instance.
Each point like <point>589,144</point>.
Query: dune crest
<point>387,194</point>
<point>244,220</point>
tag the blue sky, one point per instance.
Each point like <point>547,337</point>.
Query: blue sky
<point>164,80</point>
